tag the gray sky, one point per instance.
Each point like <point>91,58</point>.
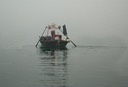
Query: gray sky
<point>102,19</point>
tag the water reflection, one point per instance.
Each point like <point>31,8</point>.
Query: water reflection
<point>54,71</point>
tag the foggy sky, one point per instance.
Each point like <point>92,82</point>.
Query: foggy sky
<point>24,20</point>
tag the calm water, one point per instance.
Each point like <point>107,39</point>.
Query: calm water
<point>84,66</point>
<point>98,27</point>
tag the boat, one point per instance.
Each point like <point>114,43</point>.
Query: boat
<point>53,37</point>
<point>48,42</point>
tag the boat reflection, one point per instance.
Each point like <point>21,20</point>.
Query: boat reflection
<point>54,68</point>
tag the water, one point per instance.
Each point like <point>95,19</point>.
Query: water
<point>83,66</point>
<point>99,28</point>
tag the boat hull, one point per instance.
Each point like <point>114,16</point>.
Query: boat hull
<point>53,43</point>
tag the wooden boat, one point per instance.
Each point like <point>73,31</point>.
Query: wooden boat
<point>48,42</point>
<point>51,37</point>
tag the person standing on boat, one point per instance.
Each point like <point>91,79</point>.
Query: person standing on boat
<point>52,28</point>
<point>53,34</point>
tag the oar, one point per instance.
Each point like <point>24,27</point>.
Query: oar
<point>72,42</point>
<point>41,35</point>
<point>67,37</point>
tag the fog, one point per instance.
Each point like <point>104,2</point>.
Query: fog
<point>89,22</point>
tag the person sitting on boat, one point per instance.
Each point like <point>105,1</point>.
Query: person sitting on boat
<point>60,37</point>
<point>57,36</point>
